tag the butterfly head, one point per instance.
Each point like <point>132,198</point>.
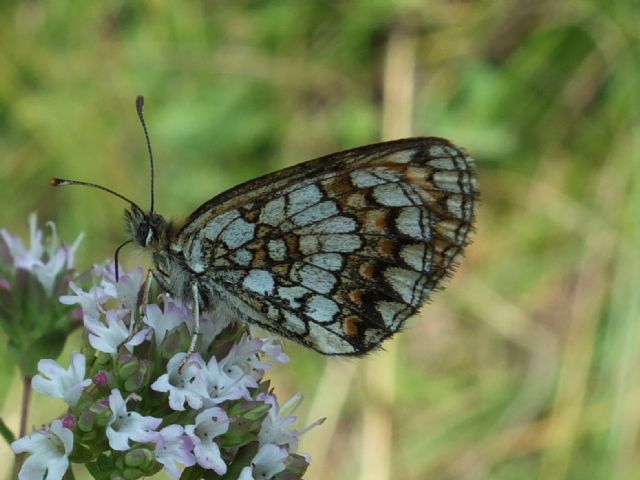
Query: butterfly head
<point>146,229</point>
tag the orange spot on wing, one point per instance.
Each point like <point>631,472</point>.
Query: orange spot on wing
<point>251,216</point>
<point>381,223</point>
<point>367,270</point>
<point>338,185</point>
<point>293,247</point>
<point>356,296</point>
<point>386,247</point>
<point>350,325</point>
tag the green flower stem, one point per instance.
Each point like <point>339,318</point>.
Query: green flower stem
<point>24,415</point>
<point>26,399</point>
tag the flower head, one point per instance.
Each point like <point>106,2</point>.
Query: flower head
<point>212,402</point>
<point>226,381</point>
<point>91,300</point>
<point>173,447</point>
<point>184,381</point>
<point>56,382</point>
<point>275,427</point>
<point>163,322</point>
<point>49,450</point>
<point>210,423</point>
<point>47,259</point>
<point>125,425</point>
<point>268,462</point>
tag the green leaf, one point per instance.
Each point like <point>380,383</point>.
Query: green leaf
<point>6,433</point>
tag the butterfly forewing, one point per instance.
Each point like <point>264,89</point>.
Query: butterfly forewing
<point>336,253</point>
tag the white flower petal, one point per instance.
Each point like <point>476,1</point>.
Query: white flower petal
<point>49,449</point>
<point>67,384</point>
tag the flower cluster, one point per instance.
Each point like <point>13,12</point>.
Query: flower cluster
<point>139,403</point>
<point>47,259</point>
<point>31,279</point>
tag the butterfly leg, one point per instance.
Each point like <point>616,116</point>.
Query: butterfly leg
<point>133,328</point>
<point>147,288</point>
<point>196,319</point>
<point>196,324</point>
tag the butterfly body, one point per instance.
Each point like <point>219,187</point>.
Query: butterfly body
<point>334,253</point>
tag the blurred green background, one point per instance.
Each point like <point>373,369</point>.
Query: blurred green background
<point>526,367</point>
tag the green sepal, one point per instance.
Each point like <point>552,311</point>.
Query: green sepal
<point>103,469</point>
<point>242,459</point>
<point>81,453</point>
<point>249,409</point>
<point>246,419</point>
<point>103,413</point>
<point>126,365</point>
<point>296,467</point>
<point>87,421</point>
<point>133,474</point>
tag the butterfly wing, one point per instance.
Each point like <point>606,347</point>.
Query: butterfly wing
<point>336,253</point>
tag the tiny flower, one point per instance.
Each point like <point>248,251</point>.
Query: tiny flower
<point>246,355</point>
<point>268,462</point>
<point>49,449</point>
<point>183,382</point>
<point>22,257</point>
<point>107,338</point>
<point>90,301</point>
<point>274,427</point>
<point>107,275</point>
<point>128,287</point>
<point>272,349</point>
<point>161,322</point>
<point>46,262</point>
<point>213,322</point>
<point>60,383</point>
<point>173,447</point>
<point>209,424</point>
<point>226,382</point>
<point>125,425</point>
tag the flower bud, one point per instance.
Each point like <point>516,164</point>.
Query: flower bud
<point>87,421</point>
<point>102,411</point>
<point>101,379</point>
<point>69,421</point>
<point>142,458</point>
<point>127,365</point>
<point>133,474</point>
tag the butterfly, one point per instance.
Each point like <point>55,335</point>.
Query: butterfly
<point>335,253</point>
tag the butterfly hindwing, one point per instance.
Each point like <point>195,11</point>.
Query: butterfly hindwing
<point>336,253</point>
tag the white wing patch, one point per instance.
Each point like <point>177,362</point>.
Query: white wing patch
<point>238,232</point>
<point>321,309</point>
<point>259,281</point>
<point>303,198</point>
<point>412,222</point>
<point>313,277</point>
<point>273,212</point>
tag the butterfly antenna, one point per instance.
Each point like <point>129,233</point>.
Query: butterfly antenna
<point>115,257</point>
<point>139,108</point>
<point>63,182</point>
